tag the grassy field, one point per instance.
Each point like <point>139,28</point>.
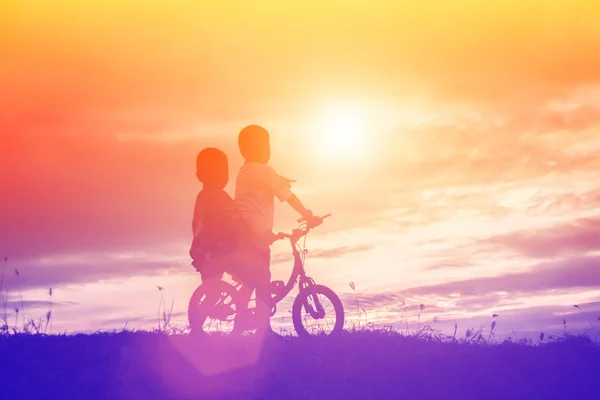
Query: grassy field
<point>356,365</point>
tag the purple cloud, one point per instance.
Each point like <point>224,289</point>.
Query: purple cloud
<point>92,268</point>
<point>566,274</point>
<point>579,237</point>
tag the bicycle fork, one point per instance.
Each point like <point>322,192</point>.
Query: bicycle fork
<point>315,309</point>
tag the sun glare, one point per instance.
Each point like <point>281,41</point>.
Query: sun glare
<point>342,133</point>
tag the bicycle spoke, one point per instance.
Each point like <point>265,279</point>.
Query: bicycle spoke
<point>326,323</point>
<point>215,312</point>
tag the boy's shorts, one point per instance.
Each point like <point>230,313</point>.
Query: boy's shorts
<point>247,265</point>
<point>250,265</point>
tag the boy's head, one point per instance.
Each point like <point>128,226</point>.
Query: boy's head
<point>212,168</point>
<point>254,144</point>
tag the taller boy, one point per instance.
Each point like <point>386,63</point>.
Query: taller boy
<point>257,185</point>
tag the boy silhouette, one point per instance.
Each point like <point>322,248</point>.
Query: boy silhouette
<point>215,234</point>
<point>257,186</point>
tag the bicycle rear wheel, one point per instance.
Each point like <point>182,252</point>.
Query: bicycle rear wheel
<point>317,310</point>
<point>212,308</point>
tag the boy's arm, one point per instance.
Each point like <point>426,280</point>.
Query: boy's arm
<point>297,205</point>
<point>281,189</point>
<point>310,219</point>
<point>196,220</point>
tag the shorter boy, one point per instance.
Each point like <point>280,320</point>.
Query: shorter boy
<point>215,233</point>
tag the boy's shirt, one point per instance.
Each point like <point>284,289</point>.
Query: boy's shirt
<point>212,224</point>
<point>256,187</point>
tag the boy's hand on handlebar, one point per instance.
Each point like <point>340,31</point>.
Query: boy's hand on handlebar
<point>306,215</point>
<point>313,221</point>
<point>310,219</point>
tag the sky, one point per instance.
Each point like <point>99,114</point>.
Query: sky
<point>455,144</point>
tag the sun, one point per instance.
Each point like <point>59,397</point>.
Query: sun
<point>342,133</point>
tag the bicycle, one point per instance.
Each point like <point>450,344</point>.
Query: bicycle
<point>217,301</point>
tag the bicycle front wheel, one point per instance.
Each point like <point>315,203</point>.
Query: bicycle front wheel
<point>318,311</point>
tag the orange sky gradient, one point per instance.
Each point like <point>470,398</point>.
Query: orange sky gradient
<point>456,144</point>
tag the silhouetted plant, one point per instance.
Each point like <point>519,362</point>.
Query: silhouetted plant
<point>358,307</point>
<point>49,313</point>
<point>164,316</point>
<point>404,315</point>
<point>22,308</point>
<point>4,327</point>
<point>589,321</point>
<point>492,329</point>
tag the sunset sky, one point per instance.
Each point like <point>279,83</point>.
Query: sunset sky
<point>456,144</point>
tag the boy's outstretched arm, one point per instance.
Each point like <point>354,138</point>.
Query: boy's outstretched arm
<point>281,189</point>
<point>297,205</point>
<point>308,216</point>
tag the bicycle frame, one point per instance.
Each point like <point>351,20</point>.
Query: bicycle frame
<point>298,273</point>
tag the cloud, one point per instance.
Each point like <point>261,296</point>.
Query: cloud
<point>88,268</point>
<point>341,251</point>
<point>531,321</point>
<point>568,273</point>
<point>545,203</point>
<point>81,268</point>
<point>144,322</point>
<point>487,152</point>
<point>578,237</point>
<point>280,258</point>
<point>389,302</point>
<point>579,117</point>
<point>405,304</point>
<point>515,316</point>
<point>449,265</point>
<point>35,304</point>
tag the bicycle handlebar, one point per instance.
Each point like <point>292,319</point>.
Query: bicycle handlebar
<point>323,217</point>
